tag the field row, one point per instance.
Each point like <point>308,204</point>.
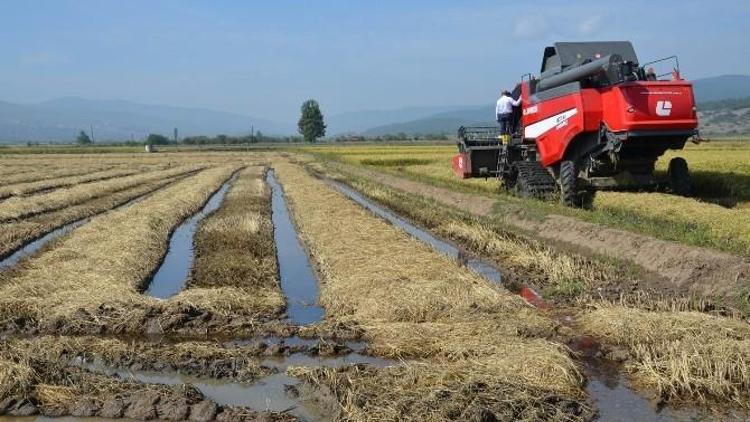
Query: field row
<point>80,285</point>
<point>465,348</point>
<point>717,217</point>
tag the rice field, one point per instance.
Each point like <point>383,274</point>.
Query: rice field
<point>396,329</point>
<point>716,217</point>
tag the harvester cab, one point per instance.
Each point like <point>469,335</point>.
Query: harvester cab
<point>594,118</point>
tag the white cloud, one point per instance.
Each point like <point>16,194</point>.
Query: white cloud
<point>590,25</point>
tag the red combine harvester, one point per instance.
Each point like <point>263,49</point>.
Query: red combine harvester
<point>594,119</point>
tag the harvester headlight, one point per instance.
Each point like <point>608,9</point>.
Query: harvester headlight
<point>631,109</point>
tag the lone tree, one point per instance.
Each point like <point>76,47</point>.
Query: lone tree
<point>156,139</point>
<point>311,125</point>
<point>83,138</point>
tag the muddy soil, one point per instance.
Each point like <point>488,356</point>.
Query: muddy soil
<point>684,268</point>
<point>60,390</point>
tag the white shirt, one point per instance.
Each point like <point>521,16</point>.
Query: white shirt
<point>505,104</point>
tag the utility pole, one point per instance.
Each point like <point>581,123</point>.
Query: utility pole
<point>92,133</point>
<point>175,135</point>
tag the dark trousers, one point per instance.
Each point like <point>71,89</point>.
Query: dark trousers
<point>505,120</point>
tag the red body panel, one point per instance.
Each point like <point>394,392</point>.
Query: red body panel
<point>627,107</point>
<point>461,165</point>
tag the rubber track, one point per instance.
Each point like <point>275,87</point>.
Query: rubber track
<point>541,184</point>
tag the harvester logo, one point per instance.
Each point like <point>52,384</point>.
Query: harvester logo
<point>663,108</point>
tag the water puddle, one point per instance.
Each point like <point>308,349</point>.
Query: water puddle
<point>278,392</point>
<point>616,400</point>
<point>174,270</point>
<point>484,268</point>
<point>298,280</point>
<point>611,392</point>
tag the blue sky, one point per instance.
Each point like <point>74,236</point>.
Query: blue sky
<point>263,58</point>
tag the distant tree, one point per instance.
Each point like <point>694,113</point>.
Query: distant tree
<point>156,139</point>
<point>83,138</point>
<point>311,125</point>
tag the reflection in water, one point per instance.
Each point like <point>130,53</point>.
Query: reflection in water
<point>298,281</point>
<point>174,271</point>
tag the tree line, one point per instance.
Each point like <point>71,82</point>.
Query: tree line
<point>311,127</point>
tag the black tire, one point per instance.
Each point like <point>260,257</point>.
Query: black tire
<point>533,181</point>
<point>523,188</point>
<point>509,180</point>
<point>569,194</point>
<point>679,177</point>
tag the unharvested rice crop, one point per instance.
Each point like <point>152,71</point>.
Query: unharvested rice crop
<point>409,289</point>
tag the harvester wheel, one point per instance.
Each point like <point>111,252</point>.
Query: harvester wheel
<point>679,176</point>
<point>533,181</point>
<point>509,179</point>
<point>569,193</point>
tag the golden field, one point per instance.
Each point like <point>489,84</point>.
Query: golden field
<point>717,216</point>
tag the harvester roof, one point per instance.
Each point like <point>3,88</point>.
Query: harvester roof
<point>566,54</point>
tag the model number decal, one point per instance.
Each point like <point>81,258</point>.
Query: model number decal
<point>553,122</point>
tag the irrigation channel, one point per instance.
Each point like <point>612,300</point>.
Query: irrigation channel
<point>298,281</point>
<point>277,392</point>
<point>281,393</point>
<point>615,400</point>
<point>173,273</point>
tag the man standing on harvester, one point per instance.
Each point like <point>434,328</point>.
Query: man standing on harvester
<point>504,114</point>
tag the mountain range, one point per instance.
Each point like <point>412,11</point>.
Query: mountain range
<point>60,120</point>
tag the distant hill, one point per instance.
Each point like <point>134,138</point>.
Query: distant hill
<point>359,121</point>
<point>60,120</point>
<point>707,91</point>
<point>729,117</point>
<point>445,122</point>
<point>721,87</point>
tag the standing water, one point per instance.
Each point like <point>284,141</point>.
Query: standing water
<point>174,271</point>
<point>298,280</point>
<point>614,398</point>
<point>484,268</point>
<point>34,246</point>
